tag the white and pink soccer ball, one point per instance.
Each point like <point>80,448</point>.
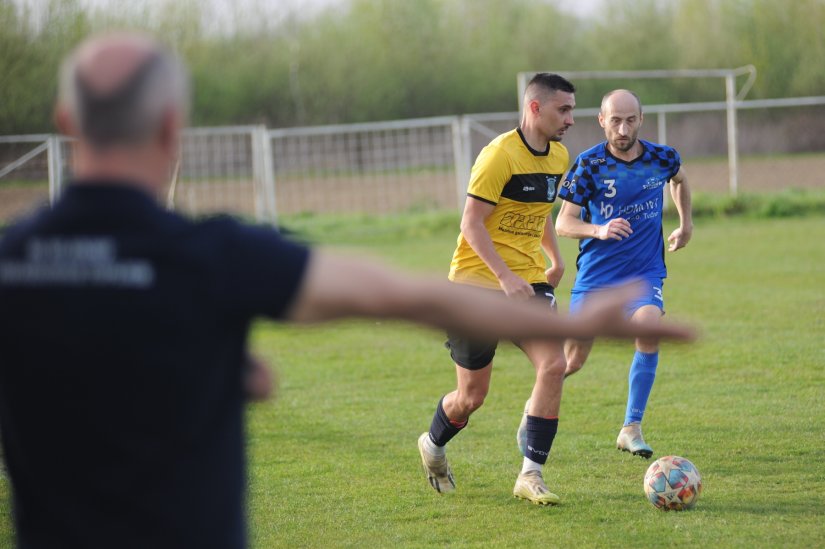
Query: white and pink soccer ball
<point>673,483</point>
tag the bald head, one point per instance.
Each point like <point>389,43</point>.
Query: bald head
<point>621,117</point>
<point>117,89</point>
<point>621,100</point>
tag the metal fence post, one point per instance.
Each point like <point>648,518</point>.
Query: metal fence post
<point>461,137</point>
<point>661,138</point>
<point>257,173</point>
<point>733,159</point>
<point>467,141</point>
<point>263,175</point>
<point>55,167</point>
<point>268,176</point>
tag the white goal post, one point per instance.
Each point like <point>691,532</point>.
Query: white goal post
<point>732,97</point>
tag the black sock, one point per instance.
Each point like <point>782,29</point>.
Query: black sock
<point>540,434</point>
<point>441,429</point>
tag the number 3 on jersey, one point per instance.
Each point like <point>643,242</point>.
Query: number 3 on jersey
<point>611,190</point>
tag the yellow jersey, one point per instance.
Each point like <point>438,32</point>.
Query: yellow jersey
<point>521,183</point>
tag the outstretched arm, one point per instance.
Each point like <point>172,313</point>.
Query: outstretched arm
<point>681,199</point>
<point>335,286</point>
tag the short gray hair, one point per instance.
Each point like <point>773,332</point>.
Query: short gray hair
<point>134,110</point>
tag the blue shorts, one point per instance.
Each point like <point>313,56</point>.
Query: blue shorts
<point>651,295</point>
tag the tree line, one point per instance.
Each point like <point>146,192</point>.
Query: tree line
<point>364,60</point>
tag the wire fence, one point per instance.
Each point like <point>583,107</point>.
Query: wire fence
<point>378,167</point>
<point>422,164</point>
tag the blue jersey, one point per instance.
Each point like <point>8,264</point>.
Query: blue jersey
<point>607,188</point>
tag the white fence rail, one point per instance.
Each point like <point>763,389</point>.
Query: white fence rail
<point>395,166</point>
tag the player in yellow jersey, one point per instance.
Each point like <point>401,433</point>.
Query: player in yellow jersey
<point>504,228</point>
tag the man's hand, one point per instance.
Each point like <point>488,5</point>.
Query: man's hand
<point>515,287</point>
<point>554,274</point>
<point>679,238</point>
<point>615,229</point>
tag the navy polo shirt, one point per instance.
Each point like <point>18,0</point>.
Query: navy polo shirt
<point>122,335</point>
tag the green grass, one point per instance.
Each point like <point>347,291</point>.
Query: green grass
<point>412,226</point>
<point>785,203</point>
<point>333,461</point>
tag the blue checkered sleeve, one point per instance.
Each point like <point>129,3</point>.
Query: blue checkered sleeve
<point>667,158</point>
<point>677,163</point>
<point>578,186</point>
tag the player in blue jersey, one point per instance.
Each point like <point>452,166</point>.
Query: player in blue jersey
<point>613,203</point>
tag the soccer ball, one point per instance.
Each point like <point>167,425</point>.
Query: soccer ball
<point>673,483</point>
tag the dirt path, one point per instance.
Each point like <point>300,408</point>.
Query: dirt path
<point>759,174</point>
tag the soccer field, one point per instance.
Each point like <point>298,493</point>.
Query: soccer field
<point>334,462</point>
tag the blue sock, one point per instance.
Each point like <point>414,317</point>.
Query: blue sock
<point>640,382</point>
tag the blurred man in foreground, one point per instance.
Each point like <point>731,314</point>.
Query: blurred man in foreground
<point>123,370</point>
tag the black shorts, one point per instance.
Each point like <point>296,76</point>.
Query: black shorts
<point>474,354</point>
